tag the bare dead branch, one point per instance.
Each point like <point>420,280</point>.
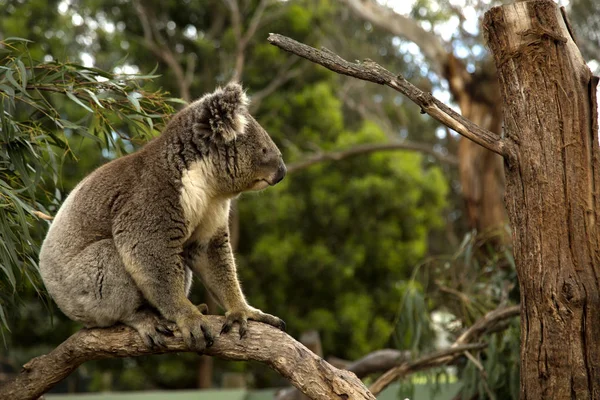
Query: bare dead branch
<point>308,372</point>
<point>378,361</point>
<point>373,72</point>
<point>369,148</point>
<point>487,322</point>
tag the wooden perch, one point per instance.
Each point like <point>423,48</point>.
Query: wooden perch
<point>373,72</point>
<point>308,372</point>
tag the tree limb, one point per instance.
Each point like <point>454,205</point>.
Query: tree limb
<point>377,361</point>
<point>373,72</point>
<point>366,149</point>
<point>308,372</point>
<point>487,322</point>
<point>397,366</point>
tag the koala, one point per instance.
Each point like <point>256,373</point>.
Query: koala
<point>125,243</point>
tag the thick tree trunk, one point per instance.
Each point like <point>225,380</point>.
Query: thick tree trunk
<point>553,178</point>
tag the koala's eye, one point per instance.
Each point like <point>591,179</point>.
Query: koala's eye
<point>264,150</point>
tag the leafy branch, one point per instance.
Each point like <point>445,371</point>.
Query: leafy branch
<point>41,106</point>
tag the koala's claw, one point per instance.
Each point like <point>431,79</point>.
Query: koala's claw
<point>237,316</point>
<point>166,328</point>
<point>154,340</point>
<point>242,317</point>
<point>195,332</point>
<point>203,308</point>
<point>207,336</point>
<point>151,328</point>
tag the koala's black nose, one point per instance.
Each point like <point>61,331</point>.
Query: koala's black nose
<point>280,172</point>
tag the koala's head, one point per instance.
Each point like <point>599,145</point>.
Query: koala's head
<point>241,155</point>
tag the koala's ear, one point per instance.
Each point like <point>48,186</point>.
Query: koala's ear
<point>224,112</point>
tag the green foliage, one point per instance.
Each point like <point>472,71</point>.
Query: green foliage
<point>43,108</point>
<point>500,362</point>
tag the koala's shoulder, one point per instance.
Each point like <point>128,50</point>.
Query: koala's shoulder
<point>126,180</point>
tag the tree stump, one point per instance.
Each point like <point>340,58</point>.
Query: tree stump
<point>552,181</point>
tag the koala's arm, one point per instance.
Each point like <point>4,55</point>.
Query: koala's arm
<point>216,266</point>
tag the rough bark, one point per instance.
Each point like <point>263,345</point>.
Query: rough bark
<point>308,372</point>
<point>552,169</point>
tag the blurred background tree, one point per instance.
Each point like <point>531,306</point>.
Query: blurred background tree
<point>369,250</point>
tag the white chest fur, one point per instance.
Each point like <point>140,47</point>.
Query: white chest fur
<point>203,211</point>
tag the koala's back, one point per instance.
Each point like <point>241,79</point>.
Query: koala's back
<point>79,250</point>
<point>86,215</point>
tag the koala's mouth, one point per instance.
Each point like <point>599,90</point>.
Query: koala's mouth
<point>260,184</point>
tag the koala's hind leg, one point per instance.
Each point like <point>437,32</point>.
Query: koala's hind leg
<point>102,293</point>
<point>93,286</point>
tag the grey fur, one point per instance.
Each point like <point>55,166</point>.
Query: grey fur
<point>123,245</point>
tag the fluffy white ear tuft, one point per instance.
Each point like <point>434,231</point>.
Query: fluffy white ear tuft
<point>224,111</point>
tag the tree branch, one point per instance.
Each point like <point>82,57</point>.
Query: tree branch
<point>487,322</point>
<point>308,372</point>
<point>377,361</point>
<point>373,72</point>
<point>366,149</point>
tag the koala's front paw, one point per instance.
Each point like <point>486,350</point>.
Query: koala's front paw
<point>242,316</point>
<point>195,331</point>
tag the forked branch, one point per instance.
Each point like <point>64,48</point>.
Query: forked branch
<point>373,72</point>
<point>305,370</point>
